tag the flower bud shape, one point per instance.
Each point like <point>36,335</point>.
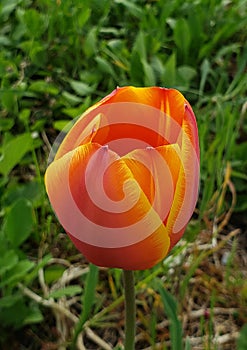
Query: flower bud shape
<point>124,181</point>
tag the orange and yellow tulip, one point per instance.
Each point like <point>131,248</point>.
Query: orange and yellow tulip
<point>124,181</point>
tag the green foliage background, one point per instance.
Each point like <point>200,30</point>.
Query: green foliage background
<point>59,57</point>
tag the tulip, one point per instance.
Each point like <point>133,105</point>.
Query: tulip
<point>124,181</point>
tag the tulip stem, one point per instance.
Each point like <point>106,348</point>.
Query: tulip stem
<point>130,310</point>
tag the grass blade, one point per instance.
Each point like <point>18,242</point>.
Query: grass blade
<point>170,306</point>
<point>87,299</point>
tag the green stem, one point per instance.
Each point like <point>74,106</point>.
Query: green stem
<point>130,310</point>
<point>93,321</point>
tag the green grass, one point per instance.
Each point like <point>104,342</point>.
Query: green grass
<point>59,57</point>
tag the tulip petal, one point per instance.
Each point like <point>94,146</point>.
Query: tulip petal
<point>94,217</point>
<point>156,171</point>
<point>153,115</point>
<point>140,256</point>
<point>186,194</point>
<point>169,101</point>
<point>190,127</point>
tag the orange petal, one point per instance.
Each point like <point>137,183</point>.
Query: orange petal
<point>169,101</point>
<point>186,194</point>
<point>140,256</point>
<point>190,127</point>
<point>156,171</point>
<point>79,186</point>
<point>126,106</point>
<point>82,132</point>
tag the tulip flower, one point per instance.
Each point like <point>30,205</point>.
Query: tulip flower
<point>124,181</point>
